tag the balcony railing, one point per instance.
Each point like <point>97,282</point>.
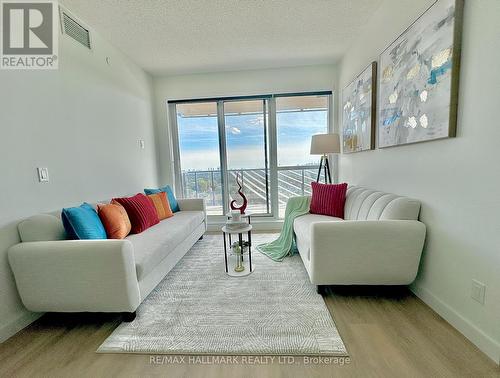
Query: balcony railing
<point>292,181</point>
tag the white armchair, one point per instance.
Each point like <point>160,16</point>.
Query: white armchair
<point>379,242</point>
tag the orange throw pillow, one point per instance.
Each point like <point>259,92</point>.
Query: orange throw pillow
<point>115,220</point>
<point>124,213</point>
<point>161,204</point>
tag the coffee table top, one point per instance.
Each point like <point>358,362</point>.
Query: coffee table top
<point>238,230</point>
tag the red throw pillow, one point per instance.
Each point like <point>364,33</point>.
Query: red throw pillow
<point>328,199</point>
<point>140,210</point>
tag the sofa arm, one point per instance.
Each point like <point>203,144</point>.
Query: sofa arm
<point>192,204</point>
<point>76,275</point>
<point>366,252</point>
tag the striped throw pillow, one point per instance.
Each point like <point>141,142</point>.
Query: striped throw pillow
<point>328,199</point>
<point>141,212</point>
<point>161,204</point>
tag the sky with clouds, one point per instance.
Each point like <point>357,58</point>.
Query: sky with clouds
<point>199,143</point>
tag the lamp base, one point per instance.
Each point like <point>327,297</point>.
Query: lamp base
<point>325,165</point>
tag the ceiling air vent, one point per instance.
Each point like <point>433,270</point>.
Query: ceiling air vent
<point>75,30</point>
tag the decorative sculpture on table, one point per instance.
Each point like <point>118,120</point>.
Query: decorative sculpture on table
<point>245,201</point>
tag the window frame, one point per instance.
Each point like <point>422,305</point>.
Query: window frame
<point>271,118</point>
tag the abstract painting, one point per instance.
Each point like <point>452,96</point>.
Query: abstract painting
<point>358,112</point>
<point>418,90</point>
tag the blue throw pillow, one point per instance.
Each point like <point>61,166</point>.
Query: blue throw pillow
<point>83,223</point>
<point>170,194</point>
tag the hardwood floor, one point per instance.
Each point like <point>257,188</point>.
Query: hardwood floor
<point>387,333</point>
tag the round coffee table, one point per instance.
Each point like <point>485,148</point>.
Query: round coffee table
<point>239,270</point>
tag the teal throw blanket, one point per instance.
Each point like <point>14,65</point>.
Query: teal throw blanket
<point>278,249</point>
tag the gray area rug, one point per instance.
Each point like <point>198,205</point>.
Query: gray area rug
<point>199,309</point>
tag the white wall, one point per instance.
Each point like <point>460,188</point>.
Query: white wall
<point>223,84</point>
<point>457,179</point>
<point>83,122</point>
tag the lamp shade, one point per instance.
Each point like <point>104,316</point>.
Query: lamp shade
<point>325,144</point>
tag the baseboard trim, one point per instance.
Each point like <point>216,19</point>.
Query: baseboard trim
<point>10,329</point>
<point>485,343</point>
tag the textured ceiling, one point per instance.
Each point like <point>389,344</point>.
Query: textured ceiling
<point>189,36</point>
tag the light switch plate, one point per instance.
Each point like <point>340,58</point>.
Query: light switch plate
<point>43,174</point>
<point>142,144</point>
<point>478,291</point>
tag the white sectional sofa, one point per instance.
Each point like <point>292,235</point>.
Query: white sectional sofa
<point>57,275</point>
<point>379,242</point>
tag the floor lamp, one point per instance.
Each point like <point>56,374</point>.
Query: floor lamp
<point>324,144</point>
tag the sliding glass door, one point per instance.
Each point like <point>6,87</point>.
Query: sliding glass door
<point>199,154</point>
<point>298,118</point>
<point>263,141</point>
<point>247,153</point>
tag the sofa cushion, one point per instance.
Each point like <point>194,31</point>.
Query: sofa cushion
<point>302,229</point>
<point>42,227</point>
<point>367,204</point>
<point>156,243</point>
